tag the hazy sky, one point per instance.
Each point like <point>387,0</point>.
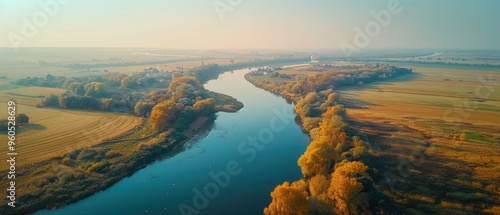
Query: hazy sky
<point>253,24</point>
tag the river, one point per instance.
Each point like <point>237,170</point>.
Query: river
<point>228,169</point>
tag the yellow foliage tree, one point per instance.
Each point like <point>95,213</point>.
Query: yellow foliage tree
<point>287,200</point>
<point>315,159</point>
<point>346,191</point>
<point>163,115</point>
<point>318,185</point>
<point>327,146</point>
<point>205,106</point>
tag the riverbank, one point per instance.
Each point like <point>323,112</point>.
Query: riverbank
<point>63,180</point>
<point>401,131</point>
<point>170,181</point>
<point>337,154</point>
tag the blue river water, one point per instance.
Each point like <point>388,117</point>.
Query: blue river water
<point>229,169</point>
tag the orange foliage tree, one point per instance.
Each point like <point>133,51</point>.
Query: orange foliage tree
<point>205,106</point>
<point>288,199</point>
<point>164,114</point>
<point>327,146</point>
<point>346,191</point>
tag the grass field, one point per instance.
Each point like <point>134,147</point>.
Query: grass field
<point>18,70</point>
<point>426,114</point>
<point>53,132</point>
<point>433,93</point>
<point>312,70</point>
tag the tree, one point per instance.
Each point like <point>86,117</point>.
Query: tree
<point>22,119</point>
<point>50,101</point>
<point>287,200</point>
<point>106,104</point>
<point>77,89</point>
<point>63,100</point>
<point>143,108</point>
<point>327,146</point>
<point>4,124</point>
<point>164,114</point>
<point>205,106</point>
<point>318,201</point>
<point>315,159</point>
<point>346,191</point>
<point>318,185</point>
<point>95,89</point>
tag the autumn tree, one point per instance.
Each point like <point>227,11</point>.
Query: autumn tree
<point>318,185</point>
<point>287,199</point>
<point>143,108</point>
<point>205,106</point>
<point>306,106</point>
<point>107,104</point>
<point>76,88</point>
<point>327,146</point>
<point>126,83</point>
<point>95,89</point>
<point>346,191</point>
<point>359,147</point>
<point>315,159</point>
<point>164,114</point>
<point>178,81</point>
<point>319,201</point>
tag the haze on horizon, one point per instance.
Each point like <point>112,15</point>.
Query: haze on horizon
<point>275,24</point>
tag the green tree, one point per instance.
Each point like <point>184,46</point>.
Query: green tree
<point>50,101</point>
<point>22,119</point>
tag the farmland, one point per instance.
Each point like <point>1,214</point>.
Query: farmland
<point>433,135</point>
<point>54,132</point>
<point>447,115</point>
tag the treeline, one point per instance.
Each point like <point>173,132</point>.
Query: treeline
<point>136,93</point>
<point>20,119</point>
<point>302,84</point>
<point>82,172</point>
<point>121,64</point>
<point>336,175</point>
<point>107,92</point>
<point>148,78</point>
<point>336,178</point>
<point>185,102</point>
<point>410,61</point>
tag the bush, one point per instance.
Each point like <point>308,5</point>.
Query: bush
<point>22,119</point>
<point>3,124</point>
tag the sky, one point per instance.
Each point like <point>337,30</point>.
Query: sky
<point>250,24</point>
